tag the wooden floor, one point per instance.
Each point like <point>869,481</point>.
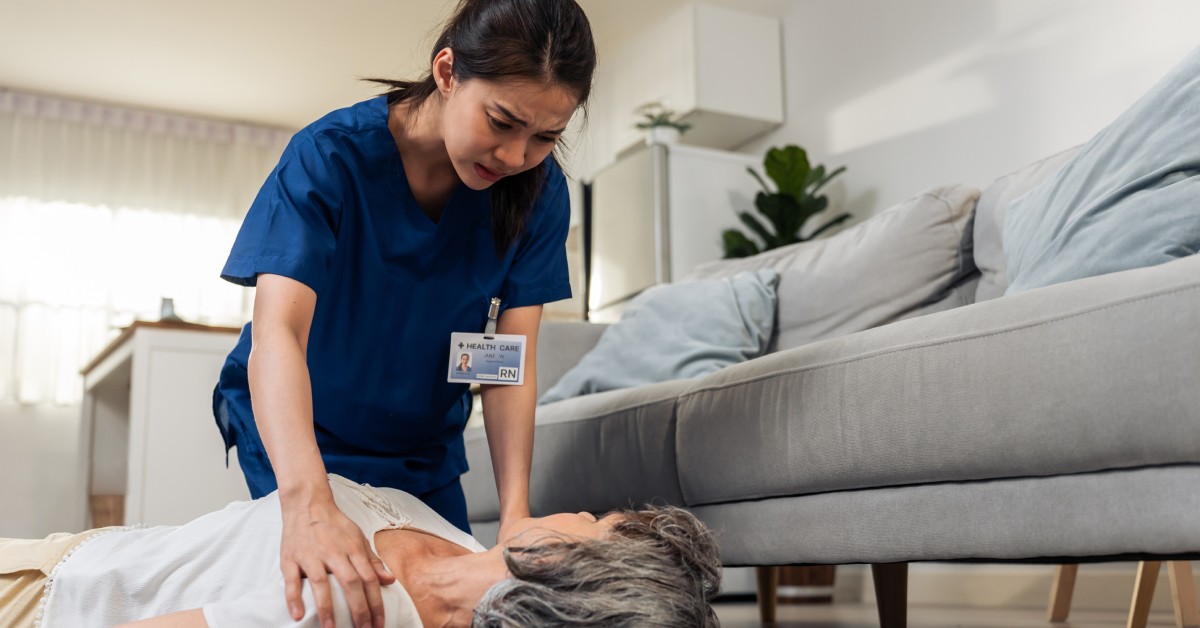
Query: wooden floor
<point>745,615</point>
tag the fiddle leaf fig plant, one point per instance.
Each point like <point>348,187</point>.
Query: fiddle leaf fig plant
<point>786,206</point>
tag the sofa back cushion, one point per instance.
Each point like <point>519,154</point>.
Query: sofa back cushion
<point>1128,199</point>
<point>561,345</point>
<point>989,220</point>
<point>677,331</point>
<point>881,270</point>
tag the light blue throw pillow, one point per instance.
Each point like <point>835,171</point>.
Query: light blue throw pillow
<point>1130,198</point>
<point>675,331</point>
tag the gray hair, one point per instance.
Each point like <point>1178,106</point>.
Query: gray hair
<point>658,568</point>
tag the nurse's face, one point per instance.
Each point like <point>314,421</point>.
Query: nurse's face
<point>494,129</point>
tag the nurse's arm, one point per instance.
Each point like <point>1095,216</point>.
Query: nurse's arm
<point>280,389</point>
<point>508,419</point>
<point>183,619</point>
<point>318,539</point>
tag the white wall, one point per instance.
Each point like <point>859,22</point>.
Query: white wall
<point>39,454</point>
<point>925,92</point>
<point>919,93</point>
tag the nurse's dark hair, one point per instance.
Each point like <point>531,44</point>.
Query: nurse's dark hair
<point>547,41</point>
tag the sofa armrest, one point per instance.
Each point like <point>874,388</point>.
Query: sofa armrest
<point>560,346</point>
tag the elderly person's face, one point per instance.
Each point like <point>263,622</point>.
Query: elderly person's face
<point>565,524</point>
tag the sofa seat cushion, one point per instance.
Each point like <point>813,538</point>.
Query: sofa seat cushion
<point>1089,375</point>
<point>1056,519</point>
<point>590,453</point>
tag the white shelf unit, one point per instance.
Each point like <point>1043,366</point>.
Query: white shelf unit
<point>720,68</point>
<point>148,432</point>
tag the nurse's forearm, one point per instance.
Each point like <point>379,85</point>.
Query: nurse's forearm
<point>281,394</point>
<point>508,420</point>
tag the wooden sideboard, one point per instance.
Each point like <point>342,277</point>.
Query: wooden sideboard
<point>150,450</point>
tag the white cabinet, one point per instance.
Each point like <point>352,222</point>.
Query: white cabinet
<point>148,439</point>
<point>659,212</point>
<point>720,68</point>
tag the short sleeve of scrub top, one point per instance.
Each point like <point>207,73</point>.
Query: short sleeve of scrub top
<point>539,273</point>
<point>338,216</point>
<point>290,229</point>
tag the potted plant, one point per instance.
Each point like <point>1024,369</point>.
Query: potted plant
<point>662,125</point>
<point>787,207</point>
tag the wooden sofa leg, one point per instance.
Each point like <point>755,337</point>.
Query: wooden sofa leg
<point>1143,592</point>
<point>767,579</point>
<point>1061,592</point>
<point>891,593</point>
<point>1183,594</point>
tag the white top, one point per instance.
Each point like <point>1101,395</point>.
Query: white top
<point>226,562</point>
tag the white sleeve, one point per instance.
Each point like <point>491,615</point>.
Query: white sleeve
<point>267,607</point>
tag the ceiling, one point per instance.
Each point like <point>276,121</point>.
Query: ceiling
<point>279,63</point>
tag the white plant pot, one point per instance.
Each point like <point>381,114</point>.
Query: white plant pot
<point>662,135</point>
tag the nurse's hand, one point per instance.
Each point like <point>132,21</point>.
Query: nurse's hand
<point>318,539</point>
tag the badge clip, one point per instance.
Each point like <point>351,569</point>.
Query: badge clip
<point>493,311</point>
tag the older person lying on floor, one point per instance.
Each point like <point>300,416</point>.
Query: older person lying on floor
<point>652,567</point>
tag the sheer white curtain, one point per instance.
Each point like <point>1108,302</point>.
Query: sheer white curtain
<point>103,212</point>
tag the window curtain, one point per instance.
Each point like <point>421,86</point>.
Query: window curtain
<point>104,211</point>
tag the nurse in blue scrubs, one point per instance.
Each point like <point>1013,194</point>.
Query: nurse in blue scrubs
<point>386,226</point>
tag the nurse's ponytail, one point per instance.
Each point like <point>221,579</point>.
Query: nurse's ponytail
<point>548,41</point>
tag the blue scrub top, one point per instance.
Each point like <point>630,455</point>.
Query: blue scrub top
<point>337,215</point>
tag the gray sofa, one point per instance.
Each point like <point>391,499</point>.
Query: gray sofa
<point>1056,425</point>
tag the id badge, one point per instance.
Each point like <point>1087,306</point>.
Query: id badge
<point>487,359</point>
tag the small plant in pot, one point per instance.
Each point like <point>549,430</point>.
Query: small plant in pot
<point>787,206</point>
<point>661,125</point>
